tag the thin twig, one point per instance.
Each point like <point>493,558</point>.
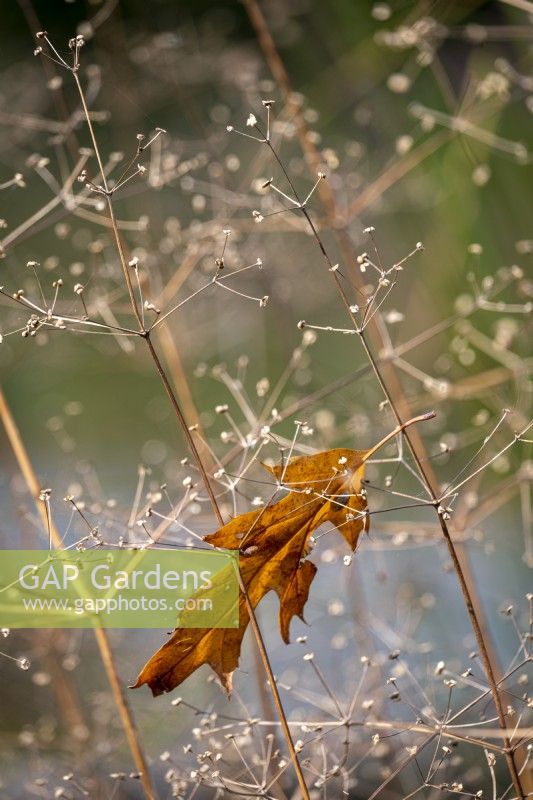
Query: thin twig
<point>194,450</point>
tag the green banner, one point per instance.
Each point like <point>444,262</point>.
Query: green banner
<point>122,588</point>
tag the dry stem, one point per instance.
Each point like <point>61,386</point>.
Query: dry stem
<point>145,334</point>
<point>126,716</point>
<point>278,69</point>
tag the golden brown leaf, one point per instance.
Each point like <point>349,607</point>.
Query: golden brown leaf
<point>273,543</point>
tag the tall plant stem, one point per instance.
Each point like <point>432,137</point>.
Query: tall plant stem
<point>145,334</point>
<point>102,640</point>
<point>417,450</point>
<point>429,483</point>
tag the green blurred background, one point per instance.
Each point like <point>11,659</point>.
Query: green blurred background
<point>91,412</point>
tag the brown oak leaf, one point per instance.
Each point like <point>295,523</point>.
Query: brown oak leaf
<point>273,544</point>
